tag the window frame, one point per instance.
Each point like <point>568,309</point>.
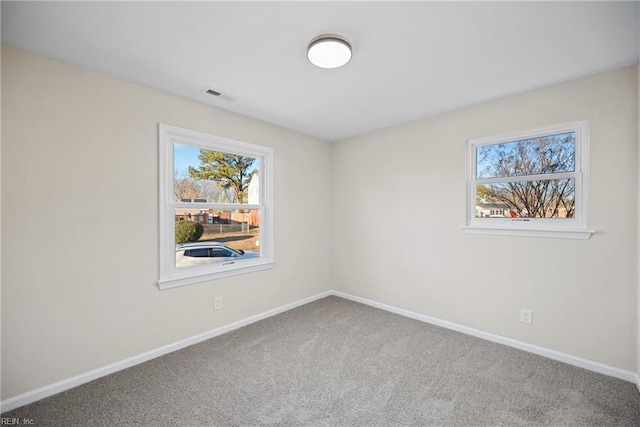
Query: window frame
<point>568,228</point>
<point>170,276</point>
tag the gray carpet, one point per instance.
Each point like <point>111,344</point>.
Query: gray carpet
<point>338,363</point>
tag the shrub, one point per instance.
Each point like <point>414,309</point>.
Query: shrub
<point>188,231</point>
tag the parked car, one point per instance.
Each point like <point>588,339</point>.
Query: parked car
<point>198,253</point>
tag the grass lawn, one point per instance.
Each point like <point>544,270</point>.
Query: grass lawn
<point>245,240</point>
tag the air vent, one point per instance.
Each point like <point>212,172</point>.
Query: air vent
<point>219,94</point>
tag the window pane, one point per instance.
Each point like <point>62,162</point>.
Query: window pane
<point>526,199</point>
<point>227,236</point>
<point>222,252</point>
<point>544,155</point>
<point>207,176</point>
<point>197,253</point>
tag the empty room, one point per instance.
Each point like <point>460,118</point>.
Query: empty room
<point>320,213</point>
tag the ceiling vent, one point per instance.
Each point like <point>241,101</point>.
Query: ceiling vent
<point>218,94</point>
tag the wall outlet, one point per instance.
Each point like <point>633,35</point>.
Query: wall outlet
<point>526,316</point>
<point>217,303</point>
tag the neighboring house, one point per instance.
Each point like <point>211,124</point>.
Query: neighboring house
<point>494,210</point>
<point>253,198</point>
<point>207,216</point>
<point>501,210</point>
<point>203,216</point>
<point>253,190</point>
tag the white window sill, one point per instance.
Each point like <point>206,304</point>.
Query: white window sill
<point>173,282</point>
<point>548,233</point>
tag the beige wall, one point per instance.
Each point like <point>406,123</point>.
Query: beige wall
<point>79,216</point>
<point>399,205</point>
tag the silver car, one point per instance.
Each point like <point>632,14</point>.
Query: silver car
<point>198,253</point>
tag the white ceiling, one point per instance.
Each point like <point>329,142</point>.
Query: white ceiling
<point>410,59</point>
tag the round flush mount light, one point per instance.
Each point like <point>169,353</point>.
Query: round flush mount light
<point>329,51</point>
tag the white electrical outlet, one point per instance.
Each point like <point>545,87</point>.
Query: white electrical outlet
<point>217,303</point>
<point>526,316</point>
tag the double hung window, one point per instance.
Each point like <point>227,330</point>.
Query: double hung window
<point>216,207</point>
<point>530,183</point>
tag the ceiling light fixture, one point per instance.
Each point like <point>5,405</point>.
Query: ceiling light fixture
<point>329,51</point>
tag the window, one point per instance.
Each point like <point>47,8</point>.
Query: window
<point>530,183</point>
<point>198,253</point>
<point>216,207</point>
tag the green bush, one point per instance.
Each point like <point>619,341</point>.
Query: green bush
<point>188,231</point>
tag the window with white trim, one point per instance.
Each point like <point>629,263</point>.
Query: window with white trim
<point>530,183</point>
<point>216,207</point>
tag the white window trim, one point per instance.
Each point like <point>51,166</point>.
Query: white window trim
<point>575,228</point>
<point>170,276</point>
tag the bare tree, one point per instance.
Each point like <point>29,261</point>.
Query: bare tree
<point>537,198</point>
<point>184,187</point>
<point>213,191</point>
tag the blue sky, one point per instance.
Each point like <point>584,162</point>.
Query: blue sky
<point>185,156</point>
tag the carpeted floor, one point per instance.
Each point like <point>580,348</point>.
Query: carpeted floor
<point>338,363</point>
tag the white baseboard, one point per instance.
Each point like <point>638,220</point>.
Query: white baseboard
<point>531,348</point>
<point>60,386</point>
